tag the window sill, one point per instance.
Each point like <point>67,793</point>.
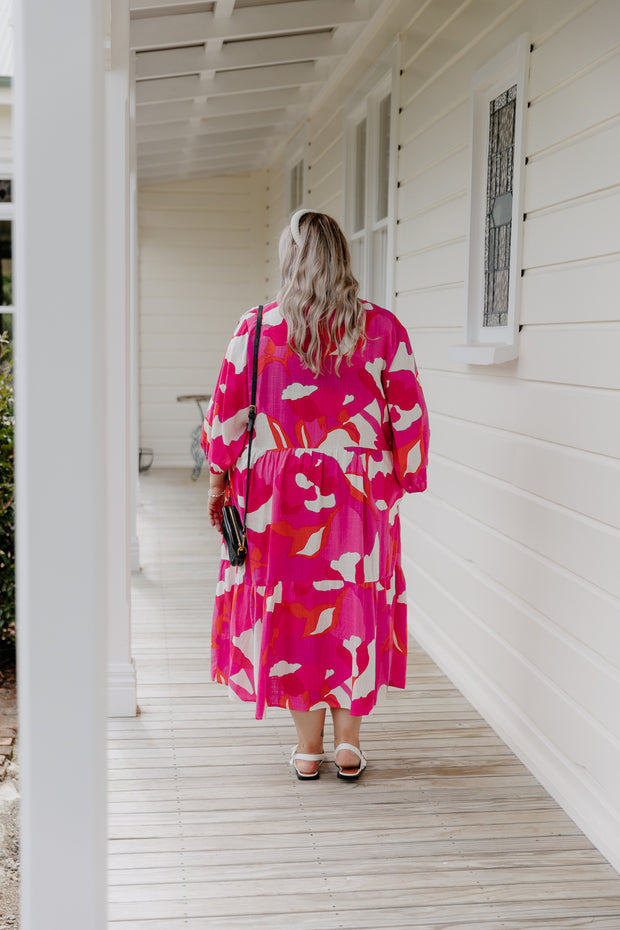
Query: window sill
<point>481,353</point>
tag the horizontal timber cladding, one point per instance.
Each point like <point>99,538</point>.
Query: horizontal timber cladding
<point>574,230</point>
<point>585,354</point>
<point>326,161</point>
<point>588,679</point>
<point>530,408</point>
<point>584,483</point>
<point>587,548</point>
<point>433,225</point>
<point>556,593</point>
<point>558,293</point>
<point>565,172</point>
<point>512,557</point>
<point>328,191</point>
<point>201,267</point>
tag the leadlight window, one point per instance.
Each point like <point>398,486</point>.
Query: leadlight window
<point>498,230</point>
<point>499,94</point>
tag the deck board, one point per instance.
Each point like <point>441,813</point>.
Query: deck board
<point>210,830</point>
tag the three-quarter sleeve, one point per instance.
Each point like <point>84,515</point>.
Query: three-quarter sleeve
<point>224,431</point>
<point>407,411</point>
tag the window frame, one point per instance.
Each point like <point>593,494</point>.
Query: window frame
<point>295,153</point>
<point>297,163</point>
<point>488,345</point>
<point>365,103</point>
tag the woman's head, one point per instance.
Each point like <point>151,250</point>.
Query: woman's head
<point>318,294</point>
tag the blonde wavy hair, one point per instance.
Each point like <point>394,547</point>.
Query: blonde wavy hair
<point>318,294</point>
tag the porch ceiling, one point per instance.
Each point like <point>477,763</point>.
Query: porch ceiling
<point>221,84</point>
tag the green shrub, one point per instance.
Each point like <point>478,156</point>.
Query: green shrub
<point>7,503</point>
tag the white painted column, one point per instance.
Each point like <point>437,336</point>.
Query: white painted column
<point>121,671</point>
<point>59,264</point>
<point>134,298</point>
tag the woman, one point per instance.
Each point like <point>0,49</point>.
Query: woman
<point>316,617</point>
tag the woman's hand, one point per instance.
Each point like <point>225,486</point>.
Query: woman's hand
<point>217,490</point>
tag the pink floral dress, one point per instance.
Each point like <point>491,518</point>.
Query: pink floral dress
<point>316,617</point>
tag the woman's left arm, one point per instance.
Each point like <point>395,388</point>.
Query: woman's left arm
<point>408,413</point>
<point>215,499</point>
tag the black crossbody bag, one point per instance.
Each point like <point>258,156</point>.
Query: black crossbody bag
<point>233,530</point>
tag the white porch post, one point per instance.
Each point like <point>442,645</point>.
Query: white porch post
<point>133,316</point>
<point>59,340</point>
<point>121,672</point>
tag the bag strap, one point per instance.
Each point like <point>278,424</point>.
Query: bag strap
<point>252,413</point>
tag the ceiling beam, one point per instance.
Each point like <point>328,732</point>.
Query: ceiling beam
<point>202,157</point>
<point>216,139</point>
<point>139,6</point>
<point>188,60</point>
<point>185,29</point>
<point>172,177</point>
<point>156,161</point>
<point>219,89</point>
<point>254,53</point>
<point>188,129</point>
<point>229,82</point>
<point>205,164</point>
<point>218,106</point>
<point>182,88</point>
<point>203,161</point>
<point>223,9</point>
<point>160,113</point>
<point>187,141</point>
<point>178,172</point>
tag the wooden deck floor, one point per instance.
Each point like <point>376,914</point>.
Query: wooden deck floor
<point>211,830</point>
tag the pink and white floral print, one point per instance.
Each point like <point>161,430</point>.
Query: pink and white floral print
<point>316,617</point>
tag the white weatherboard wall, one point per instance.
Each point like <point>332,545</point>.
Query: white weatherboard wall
<point>513,554</point>
<point>201,267</point>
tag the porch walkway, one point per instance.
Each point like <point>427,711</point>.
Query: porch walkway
<point>211,830</point>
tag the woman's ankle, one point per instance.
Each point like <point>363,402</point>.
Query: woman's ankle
<point>311,747</point>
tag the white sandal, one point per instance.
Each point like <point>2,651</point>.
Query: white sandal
<point>346,771</point>
<point>306,757</point>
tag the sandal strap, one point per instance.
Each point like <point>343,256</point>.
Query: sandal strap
<point>358,752</point>
<point>306,757</point>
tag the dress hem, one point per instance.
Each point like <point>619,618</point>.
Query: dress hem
<point>322,704</point>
